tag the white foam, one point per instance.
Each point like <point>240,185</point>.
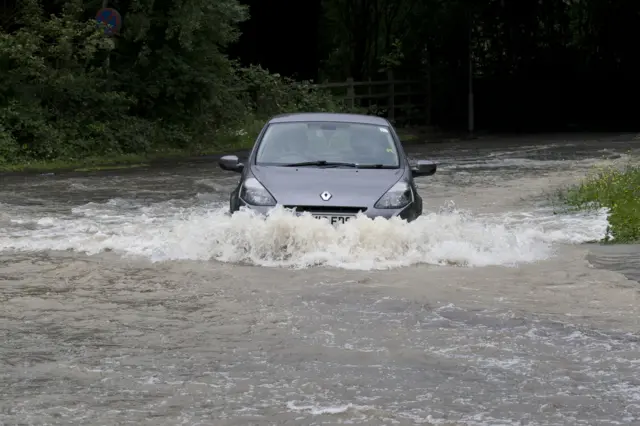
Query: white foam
<point>166,231</point>
<point>318,410</point>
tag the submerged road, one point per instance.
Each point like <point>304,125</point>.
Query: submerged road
<point>131,297</point>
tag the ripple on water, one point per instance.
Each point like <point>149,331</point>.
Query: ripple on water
<point>360,361</point>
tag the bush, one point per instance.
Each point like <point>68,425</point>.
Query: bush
<point>616,190</point>
<point>55,95</point>
<point>269,94</point>
<point>67,92</point>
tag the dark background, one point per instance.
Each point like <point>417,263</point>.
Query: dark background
<point>282,36</point>
<point>549,66</point>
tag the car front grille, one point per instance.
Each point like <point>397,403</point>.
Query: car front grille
<point>327,209</point>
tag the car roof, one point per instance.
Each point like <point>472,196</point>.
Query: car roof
<point>329,116</point>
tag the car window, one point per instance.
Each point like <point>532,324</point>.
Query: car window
<point>286,143</point>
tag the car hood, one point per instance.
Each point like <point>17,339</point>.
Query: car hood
<point>349,187</point>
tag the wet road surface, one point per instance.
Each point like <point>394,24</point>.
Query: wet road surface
<point>130,297</point>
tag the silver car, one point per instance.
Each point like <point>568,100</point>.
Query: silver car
<point>330,165</point>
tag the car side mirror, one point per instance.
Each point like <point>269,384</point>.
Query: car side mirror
<point>231,163</point>
<point>424,168</point>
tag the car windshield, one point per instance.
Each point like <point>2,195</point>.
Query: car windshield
<point>323,143</point>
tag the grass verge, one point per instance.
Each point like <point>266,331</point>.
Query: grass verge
<point>225,140</point>
<point>123,161</point>
<point>95,163</point>
<point>618,190</point>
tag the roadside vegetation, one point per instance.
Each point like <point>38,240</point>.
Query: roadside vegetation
<point>165,85</point>
<point>69,95</point>
<point>618,190</point>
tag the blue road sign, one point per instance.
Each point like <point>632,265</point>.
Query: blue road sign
<point>110,20</point>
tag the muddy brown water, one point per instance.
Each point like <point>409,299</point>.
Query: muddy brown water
<point>131,297</point>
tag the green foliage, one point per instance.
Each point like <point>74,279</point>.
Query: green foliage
<point>68,92</point>
<point>617,190</point>
<point>270,94</point>
<point>169,58</point>
<point>54,98</point>
<point>393,58</point>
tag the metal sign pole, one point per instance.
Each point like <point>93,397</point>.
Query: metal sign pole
<point>110,22</point>
<point>105,3</point>
<point>470,100</point>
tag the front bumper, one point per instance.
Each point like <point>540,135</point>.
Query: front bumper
<point>408,213</point>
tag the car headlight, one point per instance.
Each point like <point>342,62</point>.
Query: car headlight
<point>253,192</point>
<point>397,197</point>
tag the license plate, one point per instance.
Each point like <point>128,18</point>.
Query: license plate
<point>333,219</point>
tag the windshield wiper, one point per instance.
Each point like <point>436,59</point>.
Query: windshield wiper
<point>375,166</point>
<point>322,163</point>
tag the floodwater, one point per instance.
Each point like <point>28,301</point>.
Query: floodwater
<point>131,297</point>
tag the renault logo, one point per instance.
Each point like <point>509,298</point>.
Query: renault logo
<point>326,196</point>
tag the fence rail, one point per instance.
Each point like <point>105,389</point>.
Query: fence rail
<point>364,83</point>
<point>404,101</point>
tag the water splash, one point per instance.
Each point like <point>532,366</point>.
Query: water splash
<point>170,231</point>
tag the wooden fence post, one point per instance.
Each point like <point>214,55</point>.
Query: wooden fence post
<point>351,93</point>
<point>391,113</point>
<point>406,113</point>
